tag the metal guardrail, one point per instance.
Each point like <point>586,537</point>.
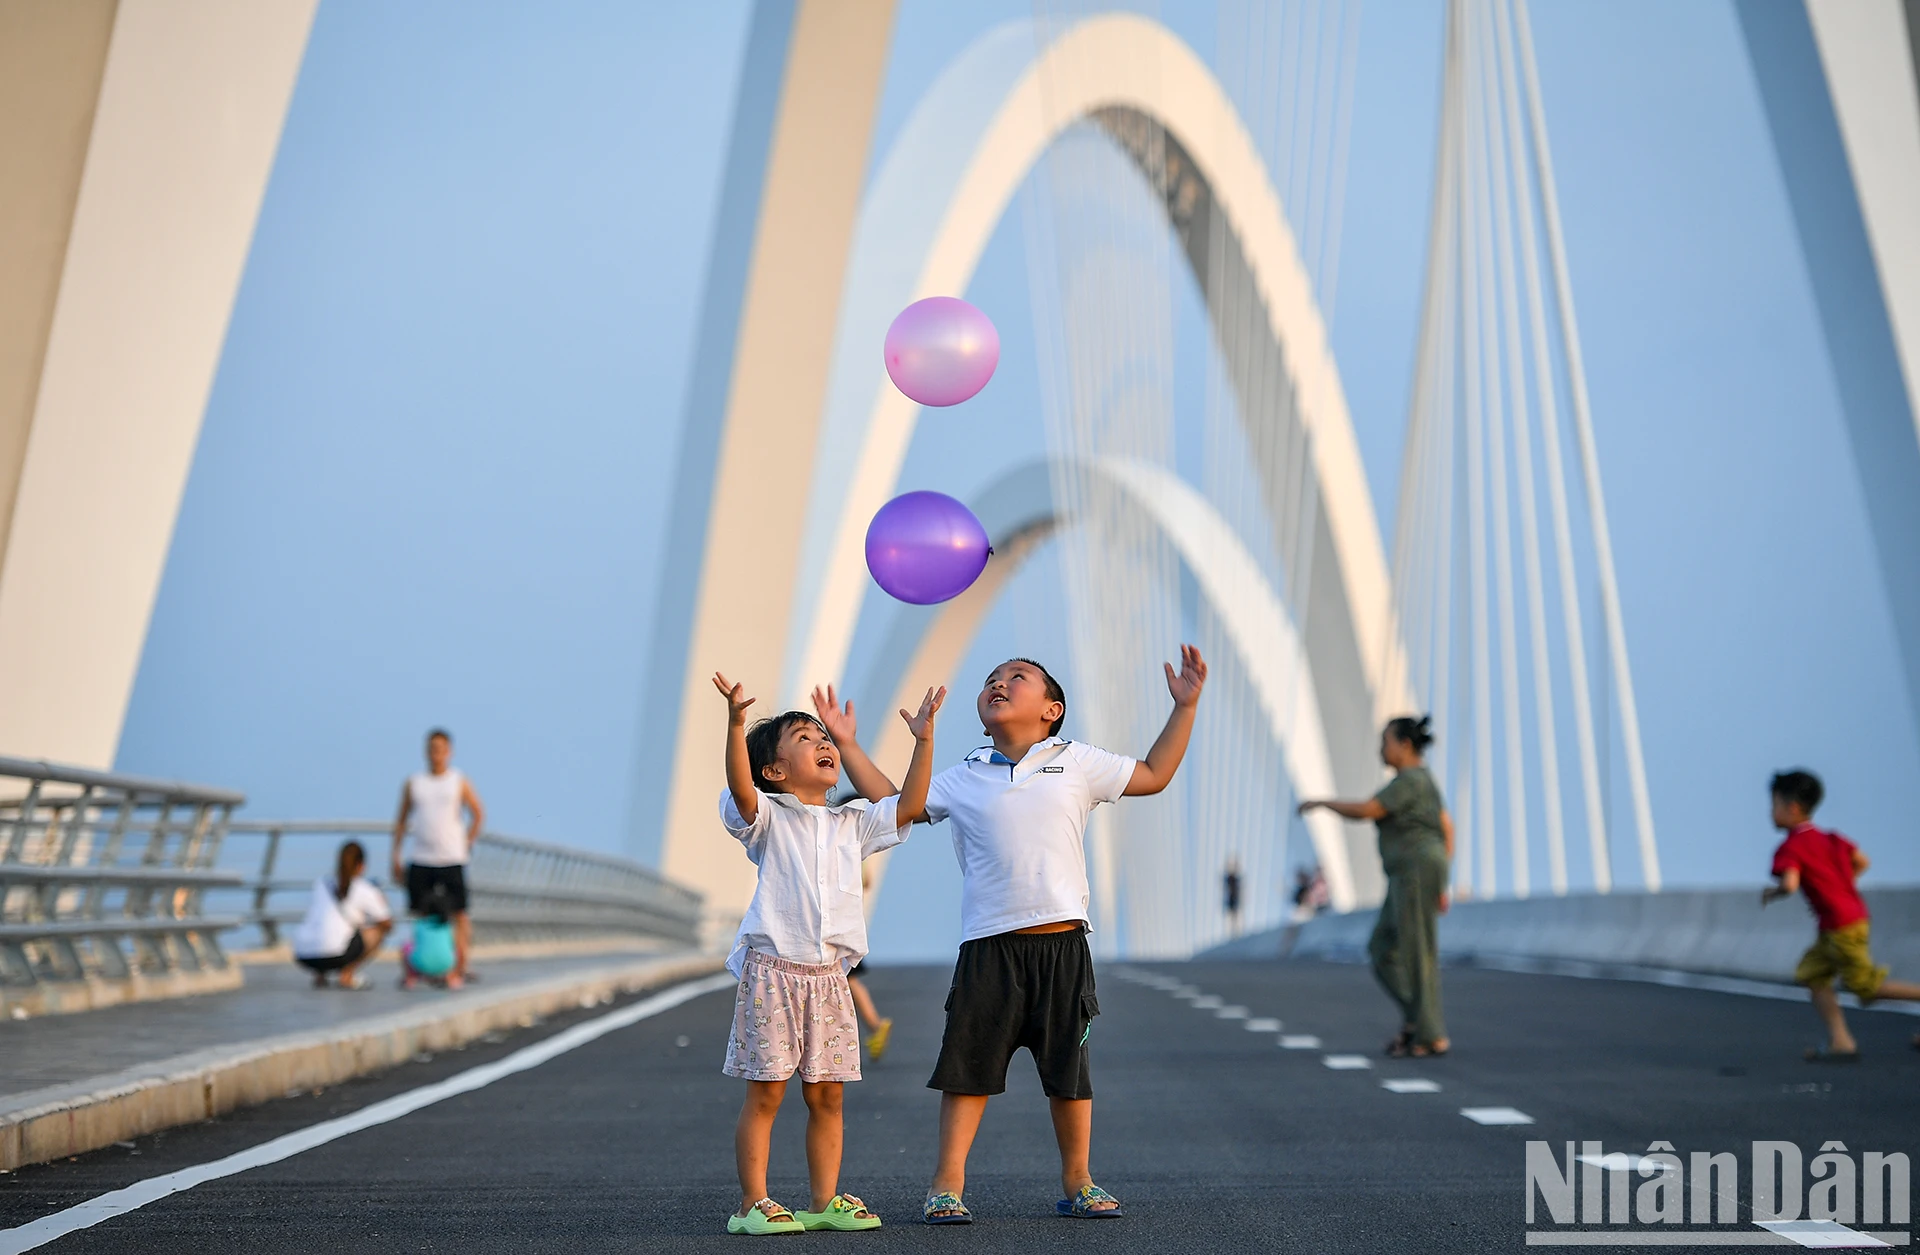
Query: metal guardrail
<point>112,877</point>
<point>518,890</point>
<point>104,875</point>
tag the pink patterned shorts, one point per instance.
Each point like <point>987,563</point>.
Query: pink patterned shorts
<point>792,1017</point>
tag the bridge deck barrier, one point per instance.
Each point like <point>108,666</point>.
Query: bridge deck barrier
<point>1715,932</point>
<point>117,888</point>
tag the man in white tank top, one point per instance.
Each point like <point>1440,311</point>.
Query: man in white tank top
<point>435,872</point>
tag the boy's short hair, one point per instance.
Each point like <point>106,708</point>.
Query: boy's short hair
<point>442,734</point>
<point>763,744</point>
<point>1799,787</point>
<point>1054,693</point>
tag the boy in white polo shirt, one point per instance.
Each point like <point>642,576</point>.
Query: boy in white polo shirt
<point>805,926</point>
<point>1025,976</point>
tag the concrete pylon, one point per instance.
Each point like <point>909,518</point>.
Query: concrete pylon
<point>136,139</point>
<point>810,89</point>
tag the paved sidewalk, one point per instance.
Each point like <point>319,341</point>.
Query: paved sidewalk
<point>74,1082</point>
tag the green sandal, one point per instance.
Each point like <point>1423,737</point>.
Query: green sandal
<point>843,1212</point>
<point>763,1218</point>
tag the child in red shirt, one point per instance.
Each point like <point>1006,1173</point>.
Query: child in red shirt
<point>1824,865</point>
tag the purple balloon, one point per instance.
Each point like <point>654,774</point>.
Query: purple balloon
<point>941,351</point>
<point>925,547</point>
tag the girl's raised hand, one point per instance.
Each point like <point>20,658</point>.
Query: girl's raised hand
<point>836,719</point>
<point>736,703</point>
<point>921,724</point>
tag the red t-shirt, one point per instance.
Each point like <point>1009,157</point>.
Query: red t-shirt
<point>1825,860</point>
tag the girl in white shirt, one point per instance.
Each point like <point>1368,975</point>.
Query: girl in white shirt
<point>805,927</point>
<point>347,919</point>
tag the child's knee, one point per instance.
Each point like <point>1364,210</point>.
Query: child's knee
<point>763,1097</point>
<point>823,1098</point>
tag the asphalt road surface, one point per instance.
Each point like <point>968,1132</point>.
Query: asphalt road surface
<point>1214,1135</point>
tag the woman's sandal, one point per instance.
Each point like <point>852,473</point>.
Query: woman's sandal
<point>1081,1205</point>
<point>1401,1046</point>
<point>945,1208</point>
<point>764,1217</point>
<point>1428,1050</point>
<point>843,1212</point>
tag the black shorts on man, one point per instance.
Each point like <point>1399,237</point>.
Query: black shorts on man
<point>423,881</point>
<point>1013,990</point>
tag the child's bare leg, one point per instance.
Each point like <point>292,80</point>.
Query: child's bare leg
<point>1899,990</point>
<point>752,1137</point>
<point>826,1130</point>
<point>863,1003</point>
<point>1827,1003</point>
<point>1073,1129</point>
<point>959,1122</point>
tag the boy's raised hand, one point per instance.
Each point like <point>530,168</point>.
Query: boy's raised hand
<point>837,720</point>
<point>921,724</point>
<point>1186,685</point>
<point>736,703</point>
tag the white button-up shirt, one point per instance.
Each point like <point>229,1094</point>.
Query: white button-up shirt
<point>809,906</point>
<point>1019,830</point>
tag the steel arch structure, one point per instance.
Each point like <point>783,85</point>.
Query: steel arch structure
<point>926,218</point>
<point>1020,513</point>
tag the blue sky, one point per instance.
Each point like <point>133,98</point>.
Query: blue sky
<point>430,482</point>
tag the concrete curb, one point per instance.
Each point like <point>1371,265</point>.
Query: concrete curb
<point>62,1120</point>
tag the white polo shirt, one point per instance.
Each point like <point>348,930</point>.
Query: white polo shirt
<point>808,906</point>
<point>1019,830</point>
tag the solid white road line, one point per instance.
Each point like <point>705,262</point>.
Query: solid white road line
<point>1496,1115</point>
<point>119,1202</point>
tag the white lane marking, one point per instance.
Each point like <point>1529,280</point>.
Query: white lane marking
<point>1619,1159</point>
<point>1231,1013</point>
<point>1824,1234</point>
<point>1208,1002</point>
<point>1496,1115</point>
<point>1347,1063</point>
<point>1263,1026</point>
<point>1410,1085</point>
<point>1184,991</point>
<point>1299,1041</point>
<point>153,1189</point>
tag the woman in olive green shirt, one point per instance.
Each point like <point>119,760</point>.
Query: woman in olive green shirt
<point>1416,851</point>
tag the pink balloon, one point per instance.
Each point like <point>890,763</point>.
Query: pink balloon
<point>925,547</point>
<point>941,350</point>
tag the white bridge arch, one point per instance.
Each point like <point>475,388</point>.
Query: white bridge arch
<point>923,224</point>
<point>1019,513</point>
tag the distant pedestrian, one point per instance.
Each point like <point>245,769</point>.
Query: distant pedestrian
<point>347,919</point>
<point>1416,851</point>
<point>805,926</point>
<point>1824,866</point>
<point>431,803</point>
<point>1230,895</point>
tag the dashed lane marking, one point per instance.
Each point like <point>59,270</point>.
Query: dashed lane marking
<point>1410,1085</point>
<point>1263,1026</point>
<point>1347,1063</point>
<point>1299,1041</point>
<point>1496,1115</point>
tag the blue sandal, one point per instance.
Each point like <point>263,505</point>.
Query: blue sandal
<point>955,1211</point>
<point>1081,1205</point>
